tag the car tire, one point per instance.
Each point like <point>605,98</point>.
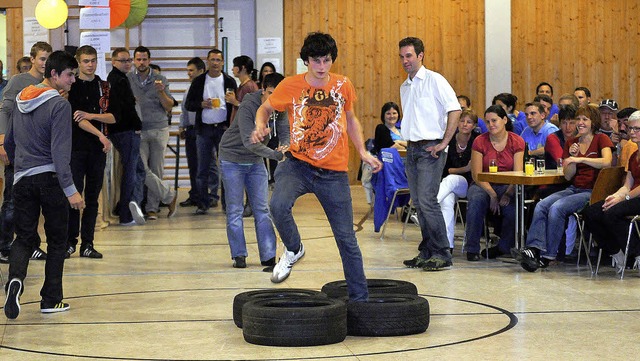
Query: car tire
<point>338,289</point>
<point>240,299</point>
<point>388,315</point>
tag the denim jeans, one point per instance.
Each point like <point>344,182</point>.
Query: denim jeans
<point>423,174</point>
<point>253,178</point>
<point>477,208</point>
<point>128,145</point>
<point>31,194</point>
<point>6,214</point>
<point>88,173</point>
<point>295,178</point>
<point>191,150</point>
<point>208,141</point>
<point>550,217</point>
<point>153,144</point>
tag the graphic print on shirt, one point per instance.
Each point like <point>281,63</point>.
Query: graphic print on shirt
<point>316,128</point>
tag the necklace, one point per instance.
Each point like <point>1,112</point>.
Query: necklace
<point>461,148</point>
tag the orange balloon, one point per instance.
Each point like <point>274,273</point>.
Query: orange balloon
<point>119,12</point>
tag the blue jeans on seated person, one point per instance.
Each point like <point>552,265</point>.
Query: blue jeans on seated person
<point>252,177</point>
<point>295,178</point>
<point>477,209</point>
<point>550,217</point>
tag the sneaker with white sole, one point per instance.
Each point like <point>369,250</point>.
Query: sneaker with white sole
<point>283,268</point>
<point>58,307</point>
<point>136,213</point>
<point>617,261</point>
<point>38,255</point>
<point>12,302</point>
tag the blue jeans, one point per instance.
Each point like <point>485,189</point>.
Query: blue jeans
<point>253,178</point>
<point>550,217</point>
<point>127,143</point>
<point>87,168</point>
<point>32,194</point>
<point>477,209</point>
<point>207,140</point>
<point>423,174</point>
<point>295,178</point>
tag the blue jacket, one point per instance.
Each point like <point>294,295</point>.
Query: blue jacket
<point>391,178</point>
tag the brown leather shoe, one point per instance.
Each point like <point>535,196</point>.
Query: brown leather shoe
<point>172,205</point>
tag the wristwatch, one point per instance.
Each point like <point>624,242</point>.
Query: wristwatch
<point>626,198</point>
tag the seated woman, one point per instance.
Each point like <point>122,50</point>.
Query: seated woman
<point>507,149</point>
<point>387,134</point>
<point>584,156</point>
<point>607,220</point>
<point>508,102</point>
<point>456,175</point>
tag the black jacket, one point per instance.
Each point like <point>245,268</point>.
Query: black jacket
<point>194,99</point>
<point>122,103</point>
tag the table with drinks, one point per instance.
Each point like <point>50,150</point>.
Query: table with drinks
<point>535,174</point>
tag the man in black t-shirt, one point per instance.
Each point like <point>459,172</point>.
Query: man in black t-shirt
<point>89,98</point>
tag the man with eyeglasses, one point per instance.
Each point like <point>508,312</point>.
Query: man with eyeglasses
<point>624,132</point>
<point>125,136</point>
<point>206,97</point>
<point>90,98</point>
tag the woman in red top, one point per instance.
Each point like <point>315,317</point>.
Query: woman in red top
<point>584,156</point>
<point>607,220</point>
<point>507,149</point>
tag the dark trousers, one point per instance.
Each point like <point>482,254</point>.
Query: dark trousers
<point>207,140</point>
<point>128,145</point>
<point>191,149</point>
<point>611,228</point>
<point>6,213</point>
<point>87,168</point>
<point>32,194</point>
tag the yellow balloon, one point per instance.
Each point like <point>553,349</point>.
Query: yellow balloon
<point>51,13</point>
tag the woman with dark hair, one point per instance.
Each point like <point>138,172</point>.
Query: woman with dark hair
<point>584,156</point>
<point>243,70</point>
<point>508,102</point>
<point>266,68</point>
<point>387,134</point>
<point>506,149</point>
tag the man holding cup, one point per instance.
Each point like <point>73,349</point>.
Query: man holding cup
<point>206,97</point>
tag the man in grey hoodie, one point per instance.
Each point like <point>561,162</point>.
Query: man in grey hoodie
<point>39,141</point>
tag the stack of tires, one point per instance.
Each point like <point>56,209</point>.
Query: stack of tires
<point>299,317</point>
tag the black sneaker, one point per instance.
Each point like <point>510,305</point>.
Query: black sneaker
<point>58,307</point>
<point>529,259</point>
<point>416,262</point>
<point>492,252</point>
<point>12,302</point>
<point>90,252</point>
<point>240,262</point>
<point>270,264</point>
<point>4,257</point>
<point>38,255</point>
<point>437,264</point>
<point>71,250</point>
<point>188,203</point>
<point>473,257</point>
<point>200,211</point>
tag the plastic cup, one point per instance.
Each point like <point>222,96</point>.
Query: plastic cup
<point>215,102</point>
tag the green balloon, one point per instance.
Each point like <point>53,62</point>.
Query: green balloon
<point>137,13</point>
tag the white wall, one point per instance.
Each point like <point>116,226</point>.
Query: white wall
<point>497,23</point>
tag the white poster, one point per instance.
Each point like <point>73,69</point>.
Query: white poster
<point>93,2</point>
<point>101,40</point>
<point>32,33</point>
<point>269,45</point>
<point>95,18</point>
<point>300,67</point>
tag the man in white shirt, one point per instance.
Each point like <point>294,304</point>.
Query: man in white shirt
<point>430,118</point>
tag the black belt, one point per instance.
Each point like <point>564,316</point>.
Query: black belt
<point>423,142</point>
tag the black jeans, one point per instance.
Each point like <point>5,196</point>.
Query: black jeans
<point>6,214</point>
<point>32,194</point>
<point>191,149</point>
<point>611,228</point>
<point>87,168</point>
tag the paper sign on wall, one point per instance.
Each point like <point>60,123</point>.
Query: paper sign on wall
<point>32,33</point>
<point>93,2</point>
<point>95,18</point>
<point>269,45</point>
<point>101,40</point>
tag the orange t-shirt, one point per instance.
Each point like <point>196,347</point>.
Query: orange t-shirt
<point>317,119</point>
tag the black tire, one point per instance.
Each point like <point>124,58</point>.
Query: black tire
<point>388,315</point>
<point>240,299</point>
<point>338,289</point>
<point>304,321</point>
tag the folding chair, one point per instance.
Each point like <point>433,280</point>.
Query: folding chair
<point>392,188</point>
<point>635,222</point>
<point>609,180</point>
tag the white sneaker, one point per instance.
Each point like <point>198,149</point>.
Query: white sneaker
<point>283,268</point>
<point>618,261</point>
<point>136,213</point>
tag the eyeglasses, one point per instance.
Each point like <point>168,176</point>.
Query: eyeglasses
<point>123,60</point>
<point>633,129</point>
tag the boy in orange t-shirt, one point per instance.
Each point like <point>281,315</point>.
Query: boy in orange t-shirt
<point>320,109</point>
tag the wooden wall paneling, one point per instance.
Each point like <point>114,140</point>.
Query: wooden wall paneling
<point>15,47</point>
<point>367,33</point>
<point>581,43</point>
